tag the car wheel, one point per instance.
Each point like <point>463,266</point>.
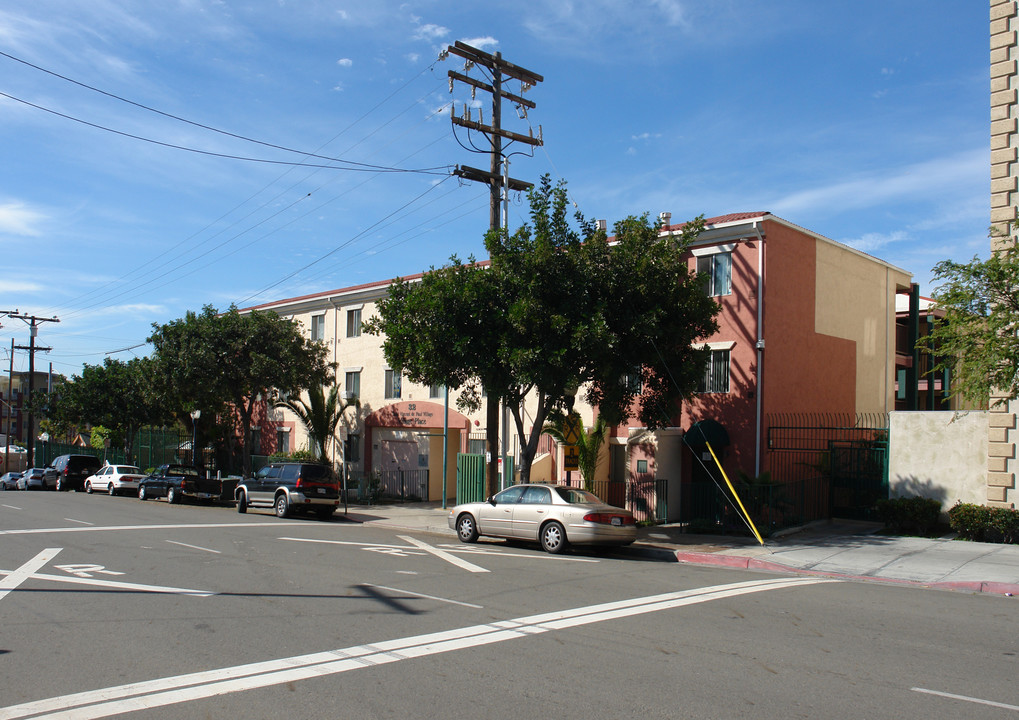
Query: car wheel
<point>466,529</point>
<point>88,488</point>
<point>282,506</point>
<point>141,493</point>
<point>242,502</point>
<point>553,538</point>
<point>110,490</point>
<point>171,495</point>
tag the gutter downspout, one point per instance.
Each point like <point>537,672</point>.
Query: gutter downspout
<point>760,343</point>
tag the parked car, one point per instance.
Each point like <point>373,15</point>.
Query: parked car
<point>9,481</point>
<point>68,472</point>
<point>553,515</point>
<point>115,479</point>
<point>175,482</point>
<point>33,479</point>
<point>291,487</point>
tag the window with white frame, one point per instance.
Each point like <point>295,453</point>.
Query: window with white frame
<point>352,382</point>
<point>436,391</point>
<point>282,441</point>
<point>354,323</point>
<point>393,384</point>
<point>716,374</point>
<point>715,271</point>
<point>318,327</point>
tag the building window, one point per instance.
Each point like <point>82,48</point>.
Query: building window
<point>393,389</point>
<point>715,271</point>
<point>354,323</point>
<point>436,391</point>
<point>716,375</point>
<point>352,383</point>
<point>633,382</point>
<point>282,441</point>
<point>318,327</point>
<point>256,441</point>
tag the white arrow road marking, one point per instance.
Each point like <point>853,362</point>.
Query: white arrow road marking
<point>115,584</point>
<point>443,555</point>
<point>212,683</point>
<point>14,579</point>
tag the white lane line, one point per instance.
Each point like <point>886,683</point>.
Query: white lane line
<point>497,552</point>
<point>443,555</point>
<point>422,595</point>
<point>347,542</point>
<point>115,584</point>
<point>79,521</point>
<point>964,698</point>
<point>23,573</point>
<point>194,547</point>
<point>13,507</point>
<point>184,688</point>
<point>104,528</point>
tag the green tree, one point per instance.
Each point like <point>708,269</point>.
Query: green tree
<point>977,339</point>
<point>558,308</point>
<point>214,361</point>
<point>116,395</point>
<point>321,414</point>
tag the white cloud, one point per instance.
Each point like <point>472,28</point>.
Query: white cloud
<point>17,219</point>
<point>870,242</point>
<point>19,286</point>
<point>482,42</point>
<point>412,57</point>
<point>646,136</point>
<point>918,181</point>
<point>430,32</point>
<point>345,62</point>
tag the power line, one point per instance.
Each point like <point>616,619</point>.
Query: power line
<point>227,133</point>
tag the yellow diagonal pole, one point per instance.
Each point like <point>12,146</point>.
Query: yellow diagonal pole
<point>733,490</point>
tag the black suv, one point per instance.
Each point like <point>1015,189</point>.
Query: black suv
<point>68,472</point>
<point>289,487</point>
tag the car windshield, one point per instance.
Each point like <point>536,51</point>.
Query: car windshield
<point>577,497</point>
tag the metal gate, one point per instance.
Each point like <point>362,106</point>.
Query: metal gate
<point>842,461</point>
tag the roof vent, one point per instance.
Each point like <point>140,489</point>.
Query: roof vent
<point>666,218</point>
<point>601,224</point>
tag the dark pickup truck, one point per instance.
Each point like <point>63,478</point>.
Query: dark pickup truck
<point>176,482</point>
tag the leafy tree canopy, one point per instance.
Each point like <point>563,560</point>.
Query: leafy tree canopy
<point>210,360</point>
<point>557,308</point>
<point>978,337</point>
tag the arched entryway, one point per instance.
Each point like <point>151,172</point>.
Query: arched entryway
<point>403,448</point>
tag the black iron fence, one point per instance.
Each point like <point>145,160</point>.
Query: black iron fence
<point>643,495</point>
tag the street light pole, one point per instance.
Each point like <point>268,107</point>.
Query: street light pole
<point>195,414</point>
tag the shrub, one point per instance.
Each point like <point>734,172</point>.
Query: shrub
<point>984,524</point>
<point>914,516</point>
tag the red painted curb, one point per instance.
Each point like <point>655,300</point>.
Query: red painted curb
<point>749,563</point>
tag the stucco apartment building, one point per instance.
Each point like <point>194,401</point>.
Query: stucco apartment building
<point>806,325</point>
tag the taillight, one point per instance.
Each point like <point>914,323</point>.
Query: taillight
<point>610,519</point>
<point>299,482</point>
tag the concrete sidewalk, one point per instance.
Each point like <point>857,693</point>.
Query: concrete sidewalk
<point>844,549</point>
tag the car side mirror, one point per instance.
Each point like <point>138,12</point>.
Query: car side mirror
<point>491,500</point>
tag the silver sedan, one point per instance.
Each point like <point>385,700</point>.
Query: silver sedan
<point>553,515</point>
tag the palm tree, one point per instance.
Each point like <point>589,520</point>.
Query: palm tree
<point>589,445</point>
<point>321,414</point>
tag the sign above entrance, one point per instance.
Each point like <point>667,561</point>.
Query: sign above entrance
<point>411,414</point>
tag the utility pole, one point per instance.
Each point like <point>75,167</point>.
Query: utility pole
<point>498,69</point>
<point>33,324</point>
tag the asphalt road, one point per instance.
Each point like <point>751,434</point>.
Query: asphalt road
<point>110,606</point>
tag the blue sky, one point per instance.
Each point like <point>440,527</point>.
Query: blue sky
<point>866,122</point>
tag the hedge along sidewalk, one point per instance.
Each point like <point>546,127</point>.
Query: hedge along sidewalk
<point>985,524</point>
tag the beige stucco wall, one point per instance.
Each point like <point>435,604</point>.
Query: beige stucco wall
<point>855,300</point>
<point>940,455</point>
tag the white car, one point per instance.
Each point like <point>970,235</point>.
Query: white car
<point>554,515</point>
<point>115,479</point>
